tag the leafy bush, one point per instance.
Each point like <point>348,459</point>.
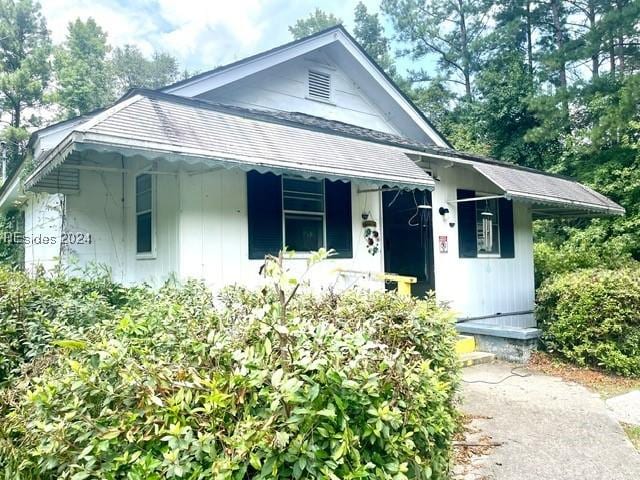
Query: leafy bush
<point>592,317</point>
<point>268,385</point>
<point>37,312</point>
<point>589,248</point>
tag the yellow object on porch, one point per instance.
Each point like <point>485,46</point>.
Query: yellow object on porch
<point>404,282</point>
<point>465,344</point>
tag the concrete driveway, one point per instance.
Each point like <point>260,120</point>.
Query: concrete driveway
<point>549,429</point>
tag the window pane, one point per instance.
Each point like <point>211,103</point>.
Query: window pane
<point>143,183</point>
<point>301,185</point>
<point>303,195</point>
<point>487,226</point>
<point>143,202</point>
<point>303,233</point>
<point>143,232</point>
<point>302,204</point>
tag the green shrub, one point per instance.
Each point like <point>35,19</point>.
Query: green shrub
<point>34,312</point>
<point>589,248</point>
<point>592,317</point>
<point>269,385</point>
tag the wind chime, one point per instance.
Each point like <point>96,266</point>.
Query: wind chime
<point>487,227</point>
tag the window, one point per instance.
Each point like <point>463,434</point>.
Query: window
<point>488,227</point>
<point>304,214</point>
<point>319,86</point>
<point>485,226</point>
<point>317,214</point>
<point>144,214</point>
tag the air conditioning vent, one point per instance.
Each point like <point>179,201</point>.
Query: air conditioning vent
<point>319,86</point>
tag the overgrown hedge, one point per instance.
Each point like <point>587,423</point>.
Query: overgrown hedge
<point>177,384</point>
<point>592,317</point>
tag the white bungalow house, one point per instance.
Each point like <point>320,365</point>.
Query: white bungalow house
<point>306,145</point>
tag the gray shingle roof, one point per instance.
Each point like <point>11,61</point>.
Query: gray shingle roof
<point>546,189</point>
<point>174,126</point>
<point>291,141</point>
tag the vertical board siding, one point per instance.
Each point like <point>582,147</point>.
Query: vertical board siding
<point>482,286</point>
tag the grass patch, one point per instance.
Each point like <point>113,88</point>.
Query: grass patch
<point>606,384</point>
<point>633,432</point>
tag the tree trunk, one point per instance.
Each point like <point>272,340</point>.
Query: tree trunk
<point>559,38</point>
<point>612,55</point>
<point>529,39</point>
<point>620,42</point>
<point>17,116</point>
<point>466,63</point>
<point>562,65</point>
<point>595,53</point>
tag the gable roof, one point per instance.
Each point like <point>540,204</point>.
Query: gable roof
<point>226,74</point>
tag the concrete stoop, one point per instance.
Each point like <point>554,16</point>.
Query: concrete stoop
<point>466,350</point>
<point>476,358</point>
<point>513,344</point>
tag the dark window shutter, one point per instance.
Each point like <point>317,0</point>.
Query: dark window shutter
<point>264,211</point>
<point>467,235</point>
<point>505,216</point>
<point>338,218</point>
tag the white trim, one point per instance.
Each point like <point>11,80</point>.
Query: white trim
<point>10,194</point>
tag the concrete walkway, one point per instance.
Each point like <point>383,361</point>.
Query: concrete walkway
<point>550,429</point>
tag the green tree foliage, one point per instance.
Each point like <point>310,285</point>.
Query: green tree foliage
<point>315,22</point>
<point>83,77</point>
<point>25,69</point>
<point>453,31</point>
<point>369,32</point>
<point>132,69</point>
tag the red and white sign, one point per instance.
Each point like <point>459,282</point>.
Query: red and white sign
<point>443,242</point>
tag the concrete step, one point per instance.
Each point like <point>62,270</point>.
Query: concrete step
<point>476,358</point>
<point>465,344</point>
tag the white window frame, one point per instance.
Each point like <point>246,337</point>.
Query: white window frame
<point>315,99</point>
<point>153,253</point>
<point>322,214</point>
<point>496,241</point>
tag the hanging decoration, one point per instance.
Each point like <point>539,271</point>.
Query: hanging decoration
<point>371,236</point>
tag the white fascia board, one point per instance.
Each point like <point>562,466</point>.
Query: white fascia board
<point>218,79</point>
<point>249,67</point>
<point>391,90</point>
<point>10,194</point>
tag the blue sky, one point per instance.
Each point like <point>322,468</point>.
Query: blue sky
<point>200,34</point>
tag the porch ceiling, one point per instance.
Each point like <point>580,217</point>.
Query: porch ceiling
<point>160,126</point>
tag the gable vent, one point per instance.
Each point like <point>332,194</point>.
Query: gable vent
<point>319,86</point>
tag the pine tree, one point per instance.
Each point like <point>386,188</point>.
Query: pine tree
<point>131,69</point>
<point>24,68</point>
<point>453,31</point>
<point>369,33</point>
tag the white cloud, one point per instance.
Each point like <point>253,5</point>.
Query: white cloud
<point>201,34</point>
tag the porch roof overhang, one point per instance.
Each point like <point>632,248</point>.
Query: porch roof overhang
<point>549,195</point>
<point>163,127</point>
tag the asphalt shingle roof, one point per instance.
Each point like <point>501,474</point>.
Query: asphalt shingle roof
<point>292,141</point>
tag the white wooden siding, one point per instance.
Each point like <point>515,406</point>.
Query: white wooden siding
<point>42,219</point>
<point>482,286</point>
<point>214,235</point>
<point>284,87</point>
